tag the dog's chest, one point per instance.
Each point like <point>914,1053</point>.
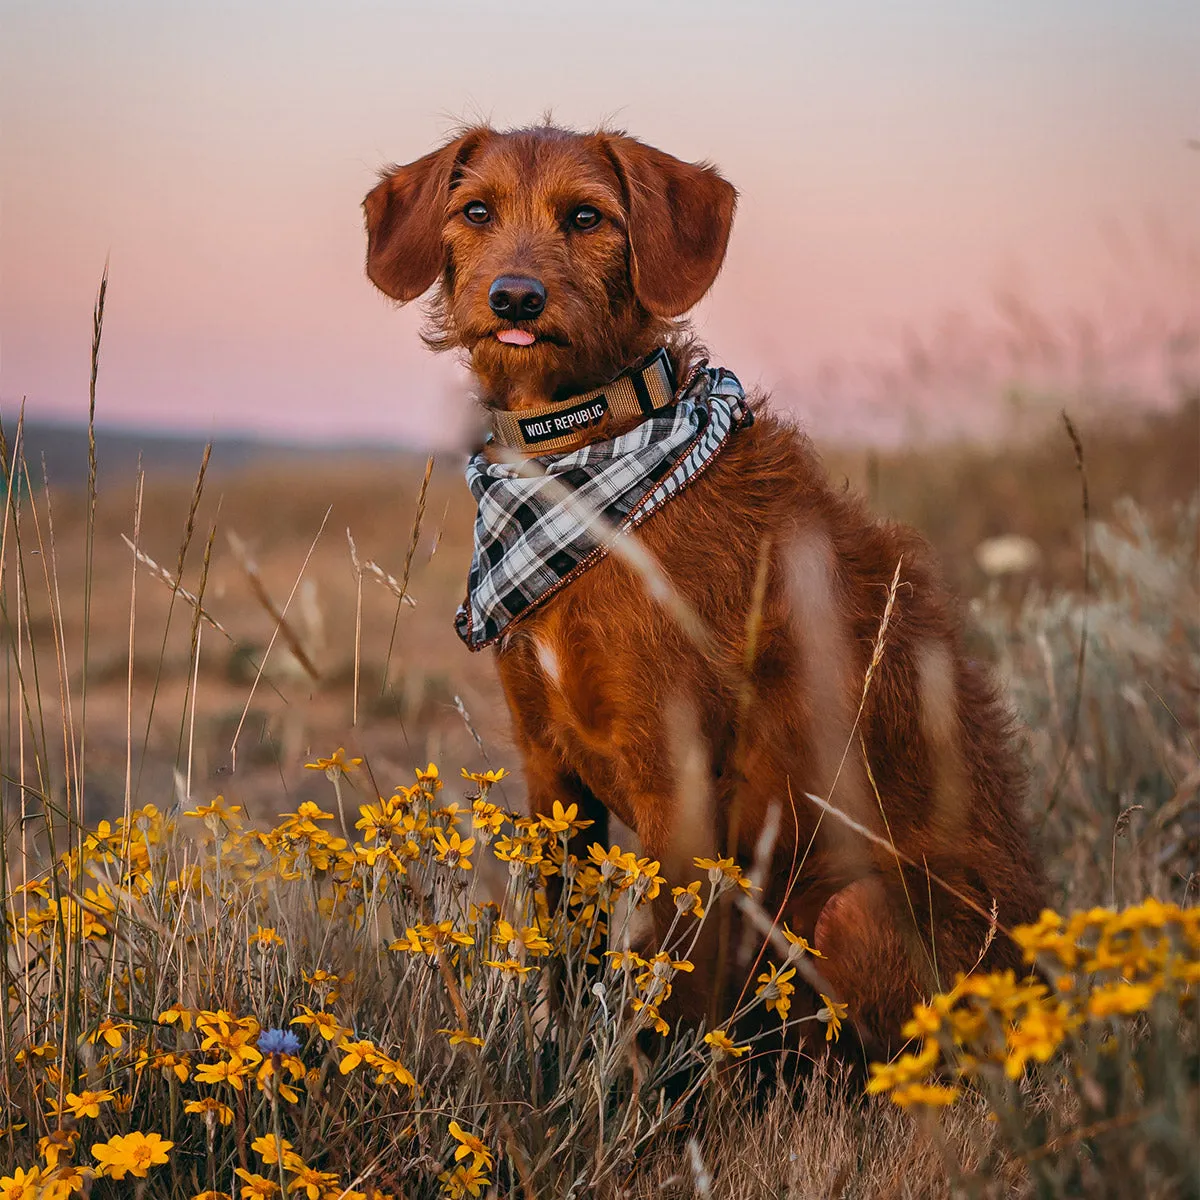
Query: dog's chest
<point>567,680</point>
<point>578,692</point>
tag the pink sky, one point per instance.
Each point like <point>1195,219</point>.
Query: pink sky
<point>897,165</point>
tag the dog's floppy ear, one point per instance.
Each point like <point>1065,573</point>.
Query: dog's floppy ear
<point>680,215</point>
<point>405,214</point>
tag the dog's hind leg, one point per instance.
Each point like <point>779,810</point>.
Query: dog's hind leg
<point>888,946</point>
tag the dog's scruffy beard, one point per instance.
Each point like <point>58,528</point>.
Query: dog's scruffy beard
<point>575,351</point>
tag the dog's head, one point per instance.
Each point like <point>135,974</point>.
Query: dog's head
<point>562,257</point>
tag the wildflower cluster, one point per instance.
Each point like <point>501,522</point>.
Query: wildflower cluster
<point>1090,974</point>
<point>353,1004</point>
<point>192,986</point>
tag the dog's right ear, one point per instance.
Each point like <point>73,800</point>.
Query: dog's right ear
<point>405,213</point>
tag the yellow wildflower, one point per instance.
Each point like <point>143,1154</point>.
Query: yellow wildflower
<point>518,941</point>
<point>336,762</point>
<point>464,1181</point>
<point>525,851</point>
<point>509,966</point>
<point>313,1184</point>
<point>1039,1033</point>
<point>831,1015</point>
<point>255,1187</point>
<point>384,819</point>
<point>210,1108</point>
<point>625,959</point>
<point>321,980</point>
<point>799,946</point>
<point>931,1094</point>
<point>1120,999</point>
<point>722,1044</point>
<point>469,1144</point>
<point>453,850</point>
<point>264,937</point>
<point>269,1150</point>
<point>217,811</point>
<point>326,1024</point>
<point>652,1015</point>
<point>661,967</point>
<point>267,1078</point>
<point>611,861</point>
<point>222,1031</point>
<point>926,1020</point>
<point>427,780</point>
<point>310,811</point>
<point>687,899</point>
<point>777,989</point>
<point>356,1052</point>
<point>133,1154</point>
<point>487,818</point>
<point>480,777</point>
<point>563,820</point>
<point>179,1065</point>
<point>87,1103</point>
<point>908,1068</point>
<point>110,1032</point>
<point>425,939</point>
<point>724,873</point>
<point>647,881</point>
<point>230,1071</point>
<point>459,1037</point>
<point>390,1071</point>
<point>22,1185</point>
<point>56,1145</point>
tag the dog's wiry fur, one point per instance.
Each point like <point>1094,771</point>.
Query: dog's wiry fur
<point>615,707</point>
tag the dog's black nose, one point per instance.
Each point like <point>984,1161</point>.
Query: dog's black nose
<point>517,297</point>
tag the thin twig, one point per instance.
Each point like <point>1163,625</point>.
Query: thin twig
<point>1077,699</point>
<point>358,574</point>
<point>161,572</point>
<point>266,654</point>
<point>402,592</point>
<point>259,588</point>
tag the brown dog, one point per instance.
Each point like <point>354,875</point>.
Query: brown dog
<point>564,260</point>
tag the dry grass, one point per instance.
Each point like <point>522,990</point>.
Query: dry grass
<point>406,699</point>
<point>827,1145</point>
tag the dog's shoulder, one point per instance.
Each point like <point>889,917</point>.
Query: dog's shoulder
<point>771,469</point>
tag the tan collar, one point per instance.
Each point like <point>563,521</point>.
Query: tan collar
<point>640,391</point>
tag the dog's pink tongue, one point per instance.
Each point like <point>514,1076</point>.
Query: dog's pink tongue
<point>515,337</point>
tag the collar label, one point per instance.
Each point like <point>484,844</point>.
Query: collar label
<point>555,425</point>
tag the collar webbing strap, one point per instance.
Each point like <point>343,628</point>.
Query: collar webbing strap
<point>640,391</point>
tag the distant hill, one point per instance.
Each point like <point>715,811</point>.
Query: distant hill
<point>117,450</point>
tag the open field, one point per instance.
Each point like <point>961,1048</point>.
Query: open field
<point>280,508</point>
<point>558,1106</point>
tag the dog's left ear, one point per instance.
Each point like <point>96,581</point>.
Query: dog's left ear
<point>405,214</point>
<point>680,215</point>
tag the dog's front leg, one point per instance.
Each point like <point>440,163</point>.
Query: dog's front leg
<point>548,783</point>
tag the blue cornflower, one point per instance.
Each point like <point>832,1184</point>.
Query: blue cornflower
<point>278,1041</point>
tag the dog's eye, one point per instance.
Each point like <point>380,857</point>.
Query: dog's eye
<point>477,213</point>
<point>585,218</point>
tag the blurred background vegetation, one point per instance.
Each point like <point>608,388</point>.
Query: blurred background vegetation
<point>1006,520</point>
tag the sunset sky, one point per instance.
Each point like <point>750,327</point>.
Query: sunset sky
<point>900,167</point>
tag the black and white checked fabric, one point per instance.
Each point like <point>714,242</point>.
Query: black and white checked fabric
<point>543,520</point>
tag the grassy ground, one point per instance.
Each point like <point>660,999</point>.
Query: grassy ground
<point>168,912</point>
<point>406,685</point>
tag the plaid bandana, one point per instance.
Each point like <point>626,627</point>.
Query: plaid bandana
<point>544,521</point>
